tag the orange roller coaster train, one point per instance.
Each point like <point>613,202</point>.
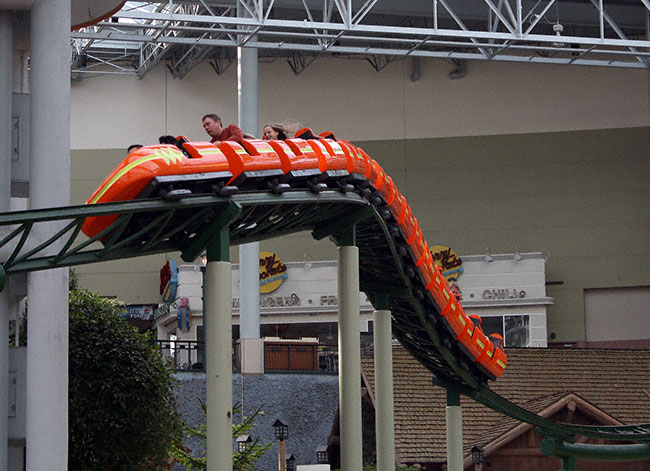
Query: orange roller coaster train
<point>306,163</point>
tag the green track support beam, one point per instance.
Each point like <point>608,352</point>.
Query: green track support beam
<point>379,289</point>
<point>339,225</point>
<point>195,246</point>
<point>593,452</point>
<point>218,248</point>
<point>381,301</point>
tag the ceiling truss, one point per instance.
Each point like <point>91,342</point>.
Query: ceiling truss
<point>184,33</point>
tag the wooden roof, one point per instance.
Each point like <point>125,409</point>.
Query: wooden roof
<point>611,385</point>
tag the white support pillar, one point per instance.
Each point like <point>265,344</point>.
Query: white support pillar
<point>218,351</point>
<point>47,350</point>
<point>251,345</point>
<point>454,417</point>
<point>6,73</point>
<point>384,409</point>
<point>6,48</point>
<point>4,378</point>
<point>349,356</point>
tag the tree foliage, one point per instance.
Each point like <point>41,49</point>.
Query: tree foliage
<point>122,409</point>
<point>241,461</point>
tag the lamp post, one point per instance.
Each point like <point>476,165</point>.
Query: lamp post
<point>291,463</point>
<point>477,458</point>
<point>281,433</point>
<point>243,443</point>
<point>321,455</point>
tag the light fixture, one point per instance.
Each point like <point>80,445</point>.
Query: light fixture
<point>558,28</point>
<point>291,463</point>
<point>281,430</point>
<point>477,454</point>
<point>204,259</point>
<point>243,442</point>
<point>308,261</point>
<point>488,257</point>
<point>321,455</point>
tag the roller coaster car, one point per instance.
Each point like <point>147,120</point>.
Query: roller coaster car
<point>358,164</point>
<point>459,325</point>
<point>333,162</point>
<point>253,163</point>
<point>306,168</point>
<point>487,350</point>
<point>499,359</point>
<point>398,208</point>
<point>428,273</point>
<point>171,170</point>
<point>419,249</point>
<point>438,288</point>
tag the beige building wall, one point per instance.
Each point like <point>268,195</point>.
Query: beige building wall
<point>513,156</point>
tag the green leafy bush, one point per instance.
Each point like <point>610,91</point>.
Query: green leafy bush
<point>122,408</point>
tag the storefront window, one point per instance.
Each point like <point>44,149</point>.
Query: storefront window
<point>492,325</point>
<point>515,330</point>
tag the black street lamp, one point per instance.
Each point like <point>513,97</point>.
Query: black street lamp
<point>291,463</point>
<point>321,455</point>
<point>281,433</point>
<point>243,443</point>
<point>477,458</point>
<point>281,430</point>
<point>477,454</point>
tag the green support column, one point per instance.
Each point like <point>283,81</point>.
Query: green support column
<point>218,344</point>
<point>349,352</point>
<point>384,412</point>
<point>454,432</point>
<point>569,463</point>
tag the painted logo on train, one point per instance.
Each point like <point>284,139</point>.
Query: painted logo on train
<point>272,272</point>
<point>448,261</point>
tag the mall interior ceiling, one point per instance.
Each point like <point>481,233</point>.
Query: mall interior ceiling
<point>184,33</point>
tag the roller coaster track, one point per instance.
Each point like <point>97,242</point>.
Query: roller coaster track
<point>386,273</point>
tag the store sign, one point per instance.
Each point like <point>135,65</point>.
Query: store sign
<point>448,261</point>
<point>273,301</point>
<point>503,293</point>
<point>143,312</point>
<point>168,281</point>
<point>272,272</point>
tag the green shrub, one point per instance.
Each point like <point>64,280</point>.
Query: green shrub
<point>122,408</point>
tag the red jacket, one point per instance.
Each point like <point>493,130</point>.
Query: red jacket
<point>231,133</point>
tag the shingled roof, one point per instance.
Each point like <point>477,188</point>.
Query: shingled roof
<point>614,384</point>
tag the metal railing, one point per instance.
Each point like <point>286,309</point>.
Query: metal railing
<point>185,355</point>
<point>188,356</point>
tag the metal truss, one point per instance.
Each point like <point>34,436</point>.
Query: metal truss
<point>183,33</point>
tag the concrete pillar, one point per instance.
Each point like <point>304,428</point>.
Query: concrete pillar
<point>218,346</point>
<point>454,432</point>
<point>349,355</point>
<point>6,48</point>
<point>251,345</point>
<point>384,413</point>
<point>6,73</point>
<point>47,351</point>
